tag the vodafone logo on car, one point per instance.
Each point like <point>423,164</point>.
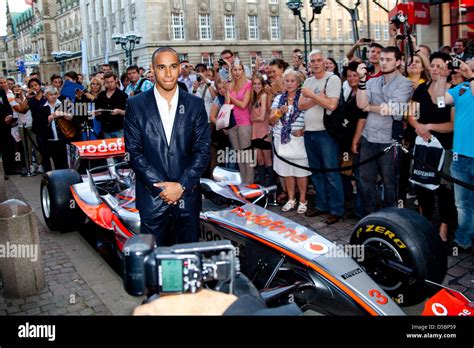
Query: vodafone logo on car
<point>317,248</point>
<point>101,147</point>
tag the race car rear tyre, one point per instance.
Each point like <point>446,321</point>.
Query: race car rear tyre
<point>60,211</point>
<point>401,237</point>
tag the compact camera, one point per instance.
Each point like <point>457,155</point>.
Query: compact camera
<point>398,20</point>
<point>182,268</point>
<point>198,78</point>
<point>455,64</point>
<point>370,68</point>
<point>221,62</point>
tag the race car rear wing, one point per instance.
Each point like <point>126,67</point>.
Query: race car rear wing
<point>95,149</point>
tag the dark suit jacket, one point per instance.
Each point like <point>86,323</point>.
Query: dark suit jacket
<point>152,160</point>
<point>5,110</point>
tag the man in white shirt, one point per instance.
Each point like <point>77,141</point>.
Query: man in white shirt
<point>167,138</point>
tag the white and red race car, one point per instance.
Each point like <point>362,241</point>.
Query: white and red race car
<point>395,257</point>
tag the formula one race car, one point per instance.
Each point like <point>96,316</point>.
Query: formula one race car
<point>402,259</point>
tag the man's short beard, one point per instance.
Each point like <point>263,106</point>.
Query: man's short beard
<point>389,72</point>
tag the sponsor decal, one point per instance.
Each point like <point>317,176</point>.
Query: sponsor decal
<point>114,146</point>
<point>383,231</point>
<point>317,248</point>
<point>276,226</point>
<point>380,299</point>
<point>352,273</point>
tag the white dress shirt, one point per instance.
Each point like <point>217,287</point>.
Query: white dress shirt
<point>167,114</point>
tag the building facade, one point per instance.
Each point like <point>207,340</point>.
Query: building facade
<point>69,32</point>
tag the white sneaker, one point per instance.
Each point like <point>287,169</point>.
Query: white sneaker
<point>40,169</point>
<point>289,205</point>
<point>302,207</point>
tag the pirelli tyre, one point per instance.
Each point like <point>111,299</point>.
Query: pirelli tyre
<point>401,250</point>
<point>60,211</point>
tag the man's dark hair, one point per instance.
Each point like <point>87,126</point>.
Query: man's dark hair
<point>395,50</point>
<point>163,49</point>
<point>110,74</point>
<point>123,77</point>
<point>279,62</point>
<point>464,41</point>
<point>54,77</point>
<point>33,79</point>
<point>440,55</point>
<point>297,50</point>
<point>200,65</point>
<point>374,44</point>
<point>133,67</point>
<point>424,46</point>
<point>105,64</point>
<point>11,79</point>
<point>227,51</point>
<point>72,75</point>
<point>34,73</point>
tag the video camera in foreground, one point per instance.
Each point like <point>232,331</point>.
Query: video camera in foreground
<point>182,268</point>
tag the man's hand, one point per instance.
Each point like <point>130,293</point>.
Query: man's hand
<point>204,302</point>
<point>172,191</point>
<point>355,146</point>
<point>51,118</point>
<point>307,92</point>
<point>9,119</point>
<point>392,30</point>
<point>465,69</point>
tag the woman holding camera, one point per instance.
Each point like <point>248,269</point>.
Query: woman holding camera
<point>89,97</point>
<point>289,127</point>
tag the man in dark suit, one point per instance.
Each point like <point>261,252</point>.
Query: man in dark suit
<point>168,143</point>
<point>6,141</point>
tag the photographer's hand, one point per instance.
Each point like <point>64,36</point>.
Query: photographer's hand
<point>204,302</point>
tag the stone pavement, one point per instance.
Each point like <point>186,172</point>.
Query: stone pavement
<point>78,281</point>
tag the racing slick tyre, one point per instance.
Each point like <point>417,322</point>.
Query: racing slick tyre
<point>60,211</point>
<point>401,250</point>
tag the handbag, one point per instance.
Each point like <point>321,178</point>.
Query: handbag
<point>225,117</point>
<point>338,123</point>
<point>431,153</point>
<point>68,128</point>
<point>293,150</point>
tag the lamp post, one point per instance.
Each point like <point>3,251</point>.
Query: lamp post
<point>354,13</point>
<point>61,57</point>
<point>296,6</point>
<point>127,42</point>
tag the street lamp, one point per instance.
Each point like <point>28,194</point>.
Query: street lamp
<point>61,57</point>
<point>127,42</point>
<point>296,6</point>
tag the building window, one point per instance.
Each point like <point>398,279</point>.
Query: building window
<point>253,27</point>
<point>377,31</point>
<point>177,26</point>
<point>253,58</point>
<point>182,56</point>
<point>277,54</point>
<point>204,27</point>
<point>274,27</point>
<point>328,29</point>
<point>229,27</point>
<point>273,1</point>
<point>316,29</point>
<point>207,58</point>
<point>350,34</point>
<point>385,32</point>
<point>339,29</point>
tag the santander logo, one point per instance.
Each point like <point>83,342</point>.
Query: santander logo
<point>316,248</point>
<point>101,147</point>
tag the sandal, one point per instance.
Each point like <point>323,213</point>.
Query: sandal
<point>302,207</point>
<point>289,205</point>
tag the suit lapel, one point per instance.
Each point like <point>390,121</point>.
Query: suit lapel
<point>179,116</point>
<point>153,115</point>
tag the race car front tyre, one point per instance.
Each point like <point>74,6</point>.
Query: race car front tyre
<point>401,250</point>
<point>60,211</point>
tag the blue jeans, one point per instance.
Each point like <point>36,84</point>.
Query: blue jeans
<point>114,134</point>
<point>359,204</point>
<point>385,166</point>
<point>462,169</point>
<point>323,152</point>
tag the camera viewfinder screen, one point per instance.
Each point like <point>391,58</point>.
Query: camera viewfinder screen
<point>172,273</point>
